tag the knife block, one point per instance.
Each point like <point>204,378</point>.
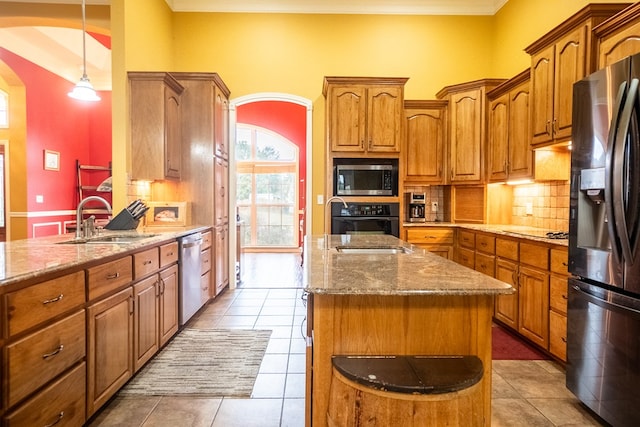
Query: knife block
<point>123,221</point>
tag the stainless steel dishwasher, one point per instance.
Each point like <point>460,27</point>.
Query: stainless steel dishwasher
<point>189,285</point>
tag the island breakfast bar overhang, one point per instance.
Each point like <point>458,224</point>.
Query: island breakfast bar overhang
<point>387,297</point>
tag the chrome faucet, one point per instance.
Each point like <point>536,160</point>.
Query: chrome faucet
<point>80,225</point>
<point>326,219</point>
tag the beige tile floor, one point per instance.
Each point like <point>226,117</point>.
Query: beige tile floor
<point>525,393</point>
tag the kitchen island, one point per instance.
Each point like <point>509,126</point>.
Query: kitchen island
<point>378,295</point>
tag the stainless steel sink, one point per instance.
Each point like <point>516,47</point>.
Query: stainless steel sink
<point>121,239</point>
<point>372,250</point>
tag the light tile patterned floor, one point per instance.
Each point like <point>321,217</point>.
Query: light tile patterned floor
<point>525,393</point>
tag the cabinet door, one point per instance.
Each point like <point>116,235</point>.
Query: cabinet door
<point>145,294</point>
<point>506,308</point>
<point>570,66</point>
<point>424,151</point>
<point>221,259</point>
<point>221,170</point>
<point>533,319</point>
<point>221,123</point>
<point>384,119</point>
<point>173,134</point>
<point>558,335</point>
<point>110,337</point>
<point>168,325</point>
<point>347,118</point>
<point>520,152</point>
<point>498,138</point>
<point>619,45</point>
<point>466,139</point>
<point>542,67</point>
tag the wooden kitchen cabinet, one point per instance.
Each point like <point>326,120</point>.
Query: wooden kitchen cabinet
<point>221,188</point>
<point>558,298</point>
<point>110,347</point>
<point>364,115</point>
<point>533,294</point>
<point>168,302</point>
<point>510,155</point>
<point>506,307</point>
<point>221,121</point>
<point>465,248</point>
<point>467,139</point>
<point>221,270</point>
<point>146,321</point>
<point>424,150</point>
<point>563,56</point>
<point>438,240</point>
<point>155,125</point>
<point>485,260</point>
<point>619,36</point>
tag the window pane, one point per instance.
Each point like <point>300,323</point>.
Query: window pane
<point>244,188</point>
<point>243,143</point>
<point>270,147</point>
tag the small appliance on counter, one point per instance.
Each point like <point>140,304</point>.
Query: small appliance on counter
<point>168,214</point>
<point>416,208</point>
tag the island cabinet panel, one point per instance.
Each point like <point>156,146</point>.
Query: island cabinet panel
<point>110,347</point>
<point>48,352</point>
<point>29,307</point>
<point>424,150</point>
<point>397,325</point>
<point>364,115</point>
<point>61,403</point>
<point>108,277</point>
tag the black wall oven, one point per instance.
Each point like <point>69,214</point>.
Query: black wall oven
<point>365,218</point>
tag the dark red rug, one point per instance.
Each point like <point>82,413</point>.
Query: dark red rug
<point>507,346</point>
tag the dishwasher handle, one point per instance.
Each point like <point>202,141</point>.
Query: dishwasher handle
<point>192,243</point>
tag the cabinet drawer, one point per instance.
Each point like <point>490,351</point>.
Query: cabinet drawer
<point>507,248</point>
<point>430,236</point>
<point>486,243</point>
<point>485,264</point>
<point>534,255</point>
<point>62,403</point>
<point>466,239</point>
<point>168,254</point>
<point>206,292</point>
<point>558,335</point>
<point>108,277</point>
<point>558,294</point>
<point>33,305</point>
<point>207,239</point>
<point>48,352</point>
<point>145,262</point>
<point>466,257</point>
<point>205,261</point>
<point>559,260</point>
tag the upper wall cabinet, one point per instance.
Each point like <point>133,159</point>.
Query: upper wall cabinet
<point>424,151</point>
<point>467,132</point>
<point>364,115</point>
<point>618,36</point>
<point>560,58</point>
<point>510,155</point>
<point>154,111</point>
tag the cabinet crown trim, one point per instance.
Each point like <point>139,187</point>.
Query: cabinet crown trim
<point>167,78</point>
<point>617,21</point>
<point>510,84</point>
<point>362,80</point>
<point>426,103</point>
<point>214,77</point>
<point>463,87</point>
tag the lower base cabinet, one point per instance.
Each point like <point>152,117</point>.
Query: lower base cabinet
<point>145,325</point>
<point>506,307</point>
<point>110,345</point>
<point>221,258</point>
<point>61,403</point>
<point>533,318</point>
<point>168,326</point>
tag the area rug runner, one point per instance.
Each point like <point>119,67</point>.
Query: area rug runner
<point>506,346</point>
<point>204,362</point>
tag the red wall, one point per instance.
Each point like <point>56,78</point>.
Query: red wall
<point>75,129</point>
<point>287,119</point>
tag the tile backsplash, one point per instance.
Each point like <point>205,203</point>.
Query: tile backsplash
<point>542,205</point>
<point>434,193</point>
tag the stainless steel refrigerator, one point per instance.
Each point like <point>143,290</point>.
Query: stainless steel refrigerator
<point>603,319</point>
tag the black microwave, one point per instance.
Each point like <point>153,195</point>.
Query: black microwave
<point>365,180</point>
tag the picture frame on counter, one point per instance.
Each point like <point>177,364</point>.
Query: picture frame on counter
<point>168,214</point>
<point>51,160</point>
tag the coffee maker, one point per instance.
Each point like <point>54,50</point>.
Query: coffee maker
<point>415,207</point>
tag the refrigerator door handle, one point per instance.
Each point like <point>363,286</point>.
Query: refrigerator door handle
<point>619,175</point>
<point>616,248</point>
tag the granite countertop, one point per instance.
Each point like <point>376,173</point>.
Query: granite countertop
<point>416,272</point>
<point>30,258</point>
<point>519,231</point>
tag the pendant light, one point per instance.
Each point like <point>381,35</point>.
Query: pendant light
<point>84,91</point>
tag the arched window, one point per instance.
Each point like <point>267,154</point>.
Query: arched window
<point>4,109</point>
<point>266,191</point>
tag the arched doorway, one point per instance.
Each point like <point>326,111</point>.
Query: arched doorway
<point>289,116</point>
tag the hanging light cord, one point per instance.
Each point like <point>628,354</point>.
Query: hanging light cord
<point>84,43</point>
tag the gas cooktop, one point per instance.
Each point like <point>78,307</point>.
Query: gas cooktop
<point>556,235</point>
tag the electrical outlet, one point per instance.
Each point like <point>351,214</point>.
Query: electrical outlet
<point>320,199</point>
<point>39,198</point>
<point>434,206</point>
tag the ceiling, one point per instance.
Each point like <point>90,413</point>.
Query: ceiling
<point>59,50</point>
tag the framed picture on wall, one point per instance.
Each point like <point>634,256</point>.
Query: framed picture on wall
<point>51,160</point>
